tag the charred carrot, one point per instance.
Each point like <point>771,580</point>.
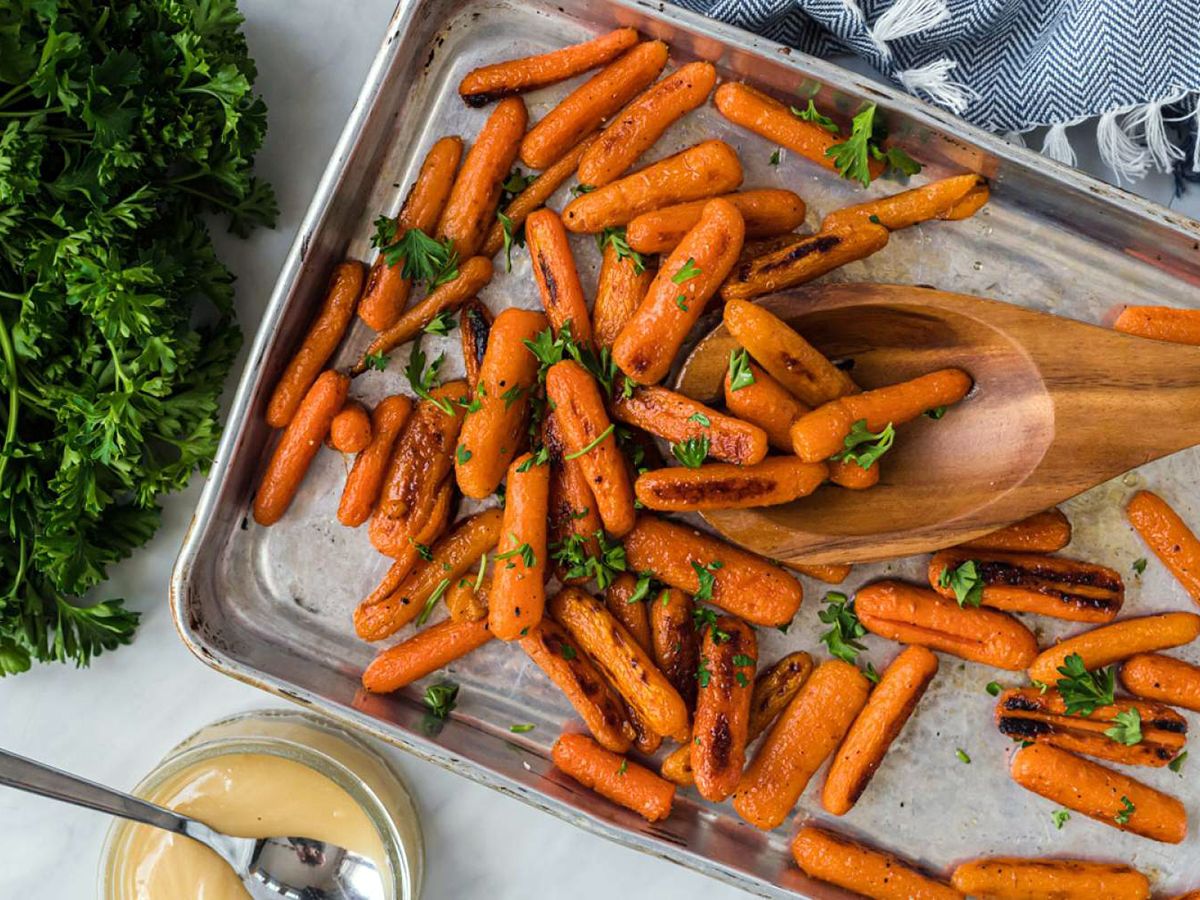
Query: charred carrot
<point>674,641</point>
<point>912,615</point>
<point>1029,582</point>
<point>907,207</point>
<point>323,336</point>
<point>685,282</point>
<point>766,403</point>
<point>1160,323</point>
<point>622,284</point>
<point>1169,537</point>
<point>1099,793</point>
<point>805,734</point>
<point>830,573</point>
<point>298,445</point>
<point>739,582</point>
<point>1162,678</point>
<point>366,476</point>
<point>872,873</point>
<point>889,707</point>
<point>610,775</point>
<point>588,437</point>
<point>350,430</point>
<point>728,658</point>
<point>1043,532</point>
<point>578,678</point>
<point>556,275</point>
<point>677,418</point>
<point>851,475</point>
<point>387,289</point>
<point>1120,640</point>
<point>425,652</point>
<point>583,110</point>
<point>780,479</point>
<point>630,611</point>
<point>766,212</point>
<point>644,120</point>
<point>474,326</point>
<point>465,601</point>
<point>821,433</point>
<point>518,579</point>
<point>573,515</point>
<point>1011,878</point>
<point>430,526</point>
<point>704,170</point>
<point>645,739</point>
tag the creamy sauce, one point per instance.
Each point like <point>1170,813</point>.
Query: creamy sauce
<point>248,795</point>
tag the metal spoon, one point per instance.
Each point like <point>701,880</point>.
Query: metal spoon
<point>270,868</point>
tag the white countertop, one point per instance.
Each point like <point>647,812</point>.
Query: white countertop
<point>114,722</point>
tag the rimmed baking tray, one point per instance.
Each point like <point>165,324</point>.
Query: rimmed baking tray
<point>272,607</point>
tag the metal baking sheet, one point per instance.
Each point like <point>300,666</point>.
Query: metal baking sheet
<point>273,606</point>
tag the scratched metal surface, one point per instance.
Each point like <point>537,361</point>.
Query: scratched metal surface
<point>272,606</point>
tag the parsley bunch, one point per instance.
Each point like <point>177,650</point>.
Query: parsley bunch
<point>121,126</point>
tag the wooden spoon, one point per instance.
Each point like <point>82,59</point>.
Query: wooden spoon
<point>1058,407</point>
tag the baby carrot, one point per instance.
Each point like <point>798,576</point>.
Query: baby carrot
<point>633,614</point>
<point>1043,532</point>
<point>968,205</point>
<point>474,326</point>
<point>1160,323</point>
<point>471,206</point>
<point>722,725</point>
<point>387,290</point>
<point>514,76</point>
<point>677,418</point>
<point>766,212</point>
<point>1169,537</point>
<point>366,476</point>
<point>830,573</point>
<point>323,336</point>
<point>872,873</point>
<point>556,275</point>
<point>1120,640</point>
<point>673,640</point>
<point>1011,878</point>
<point>1162,678</point>
<point>889,707</point>
<point>644,120</point>
<point>1099,793</point>
<point>583,110</point>
<point>610,775</point>
<point>704,170</point>
<point>685,282</point>
<point>298,445</point>
<point>464,601</point>
<point>572,514</point>
<point>350,430</point>
<point>907,207</point>
<point>622,284</point>
<point>424,653</point>
<point>780,479</point>
<point>766,403</point>
<point>805,734</point>
<point>518,593</point>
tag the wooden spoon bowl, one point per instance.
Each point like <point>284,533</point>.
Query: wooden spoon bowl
<point>1058,406</point>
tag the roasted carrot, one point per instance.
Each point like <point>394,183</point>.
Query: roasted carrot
<point>366,476</point>
<point>852,476</point>
<point>1161,323</point>
<point>766,116</point>
<point>578,678</point>
<point>644,120</point>
<point>805,734</point>
<point>1029,582</point>
<point>633,614</point>
<point>474,326</point>
<point>1169,537</point>
<point>514,76</point>
<point>765,403</point>
<point>556,275</point>
<point>704,170</point>
<point>473,276</point>
<point>323,336</point>
<point>496,421</point>
<point>1162,678</point>
<point>471,206</point>
<point>755,248</point>
<point>685,282</point>
<point>766,212</point>
<point>448,561</point>
<point>780,479</point>
<point>830,573</point>
<point>572,515</point>
<point>622,284</point>
<point>741,583</point>
<point>674,641</point>
<point>728,658</point>
<point>889,707</point>
<point>821,433</point>
<point>861,870</point>
<point>1011,878</point>
<point>1029,714</point>
<point>583,110</point>
<point>907,207</point>
<point>425,652</point>
<point>1099,793</point>
<point>1043,532</point>
<point>611,775</point>
<point>350,430</point>
<point>430,527</point>
<point>519,572</point>
<point>464,601</point>
<point>802,262</point>
<point>913,615</point>
<point>968,205</point>
<point>588,437</point>
<point>297,446</point>
<point>645,739</point>
<point>387,289</point>
<point>1120,640</point>
<point>678,418</point>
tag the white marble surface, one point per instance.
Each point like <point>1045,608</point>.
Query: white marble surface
<point>113,723</point>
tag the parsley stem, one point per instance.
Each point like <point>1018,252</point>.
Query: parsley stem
<point>14,93</point>
<point>593,445</point>
<point>14,397</point>
<point>30,113</point>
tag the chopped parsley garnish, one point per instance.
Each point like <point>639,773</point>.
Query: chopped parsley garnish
<point>703,617</point>
<point>741,659</point>
<point>516,182</point>
<point>462,454</point>
<point>865,447</point>
<point>993,688</point>
<point>776,157</point>
<point>1176,765</point>
<point>681,302</point>
<point>687,272</point>
<point>520,729</point>
<point>962,756</point>
<point>615,237</point>
<point>376,361</point>
<point>426,260</point>
<point>593,444</point>
<point>1060,817</point>
<point>938,411</point>
<point>1139,565</point>
<point>641,590</point>
<point>572,555</point>
<point>522,550</point>
<point>423,550</point>
<point>427,609</point>
<point>812,114</point>
<point>512,395</point>
<point>740,375</point>
<point>703,674</point>
<point>440,324</point>
<point>422,380</point>
<point>441,698</point>
<point>1127,727</point>
<point>845,628</point>
<point>580,189</point>
<point>567,652</point>
<point>966,582</point>
<point>1125,813</point>
<point>513,237</point>
<point>624,767</point>
<point>707,579</point>
<point>538,458</point>
<point>691,452</point>
<point>700,419</point>
<point>1083,691</point>
<point>852,157</point>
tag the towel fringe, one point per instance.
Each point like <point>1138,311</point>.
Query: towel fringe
<point>1119,149</point>
<point>933,80</point>
<point>1057,146</point>
<point>906,17</point>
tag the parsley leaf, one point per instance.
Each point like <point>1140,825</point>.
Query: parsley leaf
<point>377,361</point>
<point>441,698</point>
<point>513,237</point>
<point>707,580</point>
<point>962,756</point>
<point>776,157</point>
<point>740,375</point>
<point>993,688</point>
<point>1176,765</point>
<point>700,419</point>
<point>615,237</point>
<point>846,629</point>
<point>423,380</point>
<point>703,673</point>
<point>936,413</point>
<point>440,324</point>
<point>1083,691</point>
<point>424,259</point>
<point>966,582</point>
<point>863,446</point>
<point>1060,817</point>
<point>592,444</point>
<point>520,729</point>
<point>516,182</point>
<point>1139,565</point>
<point>687,272</point>
<point>522,550</point>
<point>812,114</point>
<point>580,189</point>
<point>691,452</point>
<point>462,454</point>
<point>1125,813</point>
<point>427,609</point>
<point>1127,727</point>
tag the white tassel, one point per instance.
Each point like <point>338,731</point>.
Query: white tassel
<point>1057,147</point>
<point>1146,122</point>
<point>933,80</point>
<point>1015,138</point>
<point>906,17</point>
<point>1124,155</point>
<point>1196,143</point>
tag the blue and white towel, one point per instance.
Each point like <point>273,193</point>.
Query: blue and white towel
<point>1014,65</point>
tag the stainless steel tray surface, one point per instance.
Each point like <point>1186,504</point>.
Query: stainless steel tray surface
<point>272,606</point>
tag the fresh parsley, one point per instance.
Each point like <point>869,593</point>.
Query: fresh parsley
<point>377,361</point>
<point>615,237</point>
<point>1139,565</point>
<point>1125,813</point>
<point>936,413</point>
<point>440,324</point>
<point>687,272</point>
<point>962,756</point>
<point>681,302</point>
<point>993,688</point>
<point>776,157</point>
<point>811,114</point>
<point>423,380</point>
<point>1060,817</point>
<point>573,556</point>
<point>852,157</point>
<point>592,444</point>
<point>691,452</point>
<point>1127,727</point>
<point>516,182</point>
<point>427,609</point>
<point>462,454</point>
<point>567,652</point>
<point>623,768</point>
<point>522,550</point>
<point>703,673</point>
<point>642,587</point>
<point>441,698</point>
<point>740,375</point>
<point>513,237</point>
<point>538,458</point>
<point>512,395</point>
<point>425,259</point>
<point>520,729</point>
<point>700,419</point>
<point>1176,765</point>
<point>865,447</point>
<point>842,638</point>
<point>580,189</point>
<point>1083,691</point>
<point>703,617</point>
<point>707,579</point>
<point>966,582</point>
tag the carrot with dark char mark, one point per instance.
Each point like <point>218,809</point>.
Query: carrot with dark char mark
<point>610,775</point>
<point>428,529</point>
<point>906,208</point>
<point>366,476</point>
<point>424,653</point>
<point>1160,323</point>
<point>766,211</point>
<point>673,637</point>
<point>728,659</point>
<point>556,275</point>
<point>1043,532</point>
<point>322,338</point>
<point>780,479</point>
<point>678,418</point>
<point>1162,678</point>
<point>474,326</point>
<point>622,284</point>
<point>872,873</point>
<point>633,614</point>
<point>1120,640</point>
<point>572,512</point>
<point>519,568</point>
<point>1013,878</point>
<point>298,445</point>
<point>350,430</point>
<point>1169,537</point>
